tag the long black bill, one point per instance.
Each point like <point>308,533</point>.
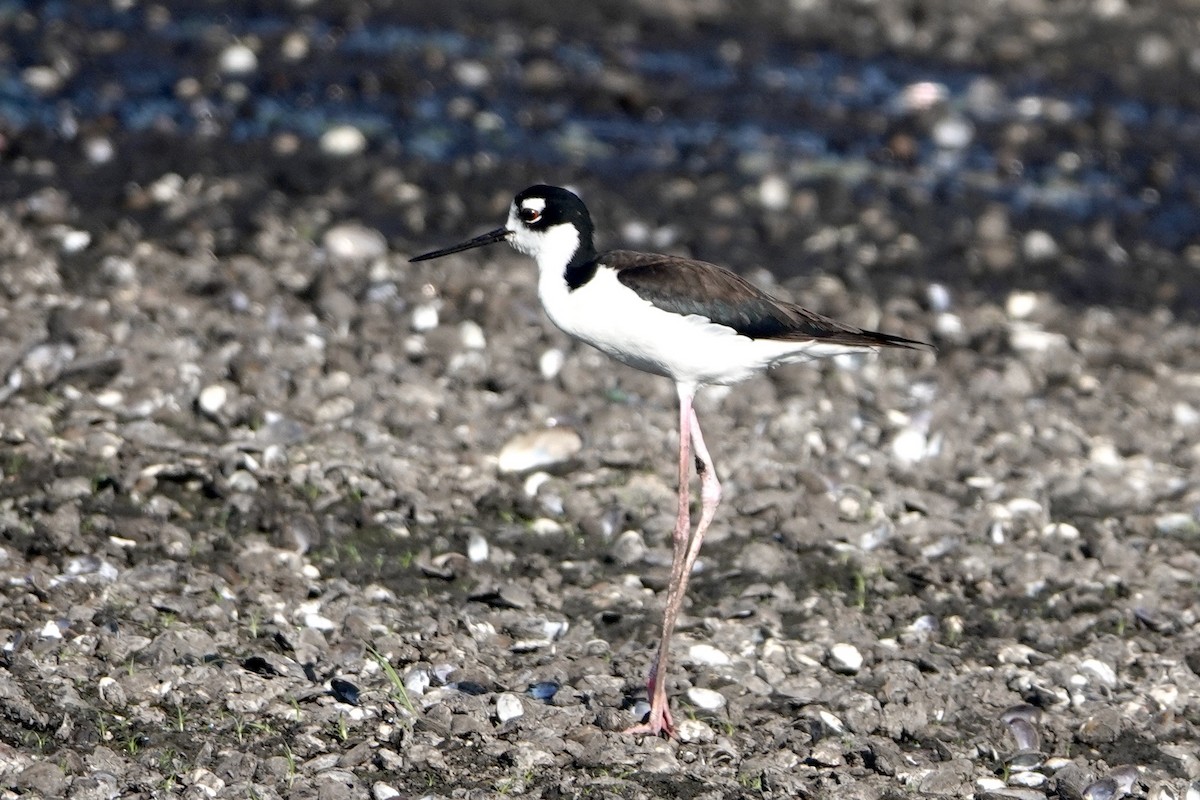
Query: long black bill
<point>498,235</point>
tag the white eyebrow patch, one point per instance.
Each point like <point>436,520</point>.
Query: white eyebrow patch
<point>534,204</point>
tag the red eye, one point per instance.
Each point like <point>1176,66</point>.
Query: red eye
<point>530,215</point>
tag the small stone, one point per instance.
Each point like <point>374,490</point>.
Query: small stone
<point>1039,246</point>
<point>353,242</point>
<point>706,699</point>
<point>1100,671</point>
<point>938,297</point>
<point>1177,524</point>
<point>1031,340</point>
<point>74,241</point>
<point>319,622</point>
<point>696,731</point>
<point>383,791</point>
<point>709,656</point>
<point>509,707</point>
<point>827,753</point>
<point>629,548</point>
<point>1028,779</point>
<point>343,140</point>
<point>424,318</point>
<point>207,782</point>
<point>845,658</point>
<point>910,446</point>
<point>1021,304</point>
<point>237,59</point>
<point>472,335</point>
<point>551,363</point>
<point>40,779</point>
<point>774,194</point>
<point>953,133</point>
<point>212,399</point>
<point>416,682</point>
<point>921,96</point>
<point>539,449</point>
<point>42,79</point>
<point>477,548</point>
<point>1103,727</point>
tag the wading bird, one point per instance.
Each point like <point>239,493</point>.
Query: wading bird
<point>690,321</point>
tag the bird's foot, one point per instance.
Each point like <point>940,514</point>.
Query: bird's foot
<point>658,723</point>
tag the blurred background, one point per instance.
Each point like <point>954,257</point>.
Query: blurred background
<point>986,146</point>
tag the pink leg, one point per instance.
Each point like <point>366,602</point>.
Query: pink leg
<point>710,496</point>
<point>686,546</point>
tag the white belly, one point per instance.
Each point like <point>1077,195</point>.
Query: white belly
<point>692,350</point>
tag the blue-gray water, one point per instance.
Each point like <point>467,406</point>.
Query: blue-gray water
<point>1074,151</point>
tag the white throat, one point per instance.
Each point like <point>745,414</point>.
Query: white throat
<point>552,249</point>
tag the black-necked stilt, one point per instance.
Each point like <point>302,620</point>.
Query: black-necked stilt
<point>693,322</point>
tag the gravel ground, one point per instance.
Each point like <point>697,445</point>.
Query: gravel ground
<point>282,515</point>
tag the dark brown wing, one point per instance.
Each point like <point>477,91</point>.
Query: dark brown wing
<point>689,287</point>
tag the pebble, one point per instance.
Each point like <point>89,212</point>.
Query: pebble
<point>1102,672</point>
<point>74,241</point>
<point>424,318</point>
<point>1177,524</point>
<point>1039,246</point>
<point>695,731</point>
<point>353,242</point>
<point>827,753</point>
<point>1020,305</point>
<point>1031,340</point>
<point>42,79</point>
<point>478,549</point>
<point>416,682</point>
<point>52,630</point>
<point>472,336</point>
<point>1027,778</point>
<point>343,140</point>
<point>774,194</point>
<point>551,363</point>
<point>472,74</point>
<point>383,791</point>
<point>509,707</point>
<point>921,96</point>
<point>709,656</point>
<point>629,548</point>
<point>953,133</point>
<point>938,297</point>
<point>319,622</point>
<point>910,446</point>
<point>845,658</point>
<point>206,781</point>
<point>539,449</point>
<point>212,399</point>
<point>237,59</point>
<point>706,699</point>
